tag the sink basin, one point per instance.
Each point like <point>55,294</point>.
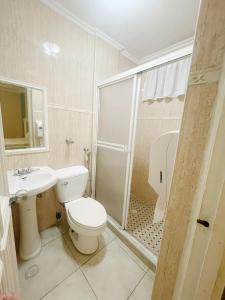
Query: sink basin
<point>36,182</point>
<point>24,188</point>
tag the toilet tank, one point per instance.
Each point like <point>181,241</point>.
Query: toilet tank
<point>71,183</point>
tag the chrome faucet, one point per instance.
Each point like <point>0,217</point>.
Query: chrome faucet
<point>23,171</point>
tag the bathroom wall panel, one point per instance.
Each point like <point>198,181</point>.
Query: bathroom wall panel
<point>165,108</point>
<point>68,77</point>
<point>62,124</point>
<point>110,57</point>
<point>125,63</point>
<point>154,119</point>
<point>105,55</point>
<point>66,74</point>
<point>147,131</point>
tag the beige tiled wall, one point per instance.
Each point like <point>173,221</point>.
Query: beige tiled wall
<point>69,77</point>
<point>154,119</point>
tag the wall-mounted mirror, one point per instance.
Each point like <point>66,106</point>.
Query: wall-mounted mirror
<point>24,117</point>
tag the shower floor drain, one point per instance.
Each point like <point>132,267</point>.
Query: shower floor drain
<point>31,272</point>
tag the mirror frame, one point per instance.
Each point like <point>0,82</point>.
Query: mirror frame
<point>45,106</point>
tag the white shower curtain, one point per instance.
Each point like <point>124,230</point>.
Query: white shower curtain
<point>167,81</point>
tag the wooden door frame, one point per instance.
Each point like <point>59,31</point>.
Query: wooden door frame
<point>192,157</point>
<point>204,247</point>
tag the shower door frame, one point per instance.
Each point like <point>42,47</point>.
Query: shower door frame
<point>129,149</point>
<point>134,72</point>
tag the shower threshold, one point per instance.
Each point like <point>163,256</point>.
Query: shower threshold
<point>149,258</point>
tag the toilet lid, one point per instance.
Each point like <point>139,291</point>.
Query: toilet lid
<point>87,212</point>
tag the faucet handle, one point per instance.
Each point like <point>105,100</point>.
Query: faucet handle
<point>16,172</point>
<point>22,171</point>
<point>29,169</point>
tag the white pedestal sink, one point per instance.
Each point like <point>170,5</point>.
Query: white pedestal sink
<point>25,189</point>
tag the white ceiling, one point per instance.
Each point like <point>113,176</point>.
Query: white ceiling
<point>141,26</point>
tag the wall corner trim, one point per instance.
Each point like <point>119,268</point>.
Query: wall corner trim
<point>184,45</point>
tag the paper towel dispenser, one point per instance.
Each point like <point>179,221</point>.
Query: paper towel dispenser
<point>161,165</point>
<point>39,129</point>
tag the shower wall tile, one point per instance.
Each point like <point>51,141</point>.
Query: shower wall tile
<point>147,131</point>
<point>154,119</point>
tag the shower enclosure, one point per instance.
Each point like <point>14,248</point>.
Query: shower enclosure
<point>116,122</point>
<point>118,99</point>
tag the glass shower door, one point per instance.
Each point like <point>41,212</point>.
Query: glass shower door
<point>115,123</point>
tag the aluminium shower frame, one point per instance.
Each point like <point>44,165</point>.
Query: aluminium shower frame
<point>129,149</point>
<point>136,74</point>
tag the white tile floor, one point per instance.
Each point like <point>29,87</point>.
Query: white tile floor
<point>113,272</point>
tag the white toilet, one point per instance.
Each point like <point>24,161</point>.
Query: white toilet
<point>86,216</point>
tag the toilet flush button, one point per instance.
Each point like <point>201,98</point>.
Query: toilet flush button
<point>65,183</point>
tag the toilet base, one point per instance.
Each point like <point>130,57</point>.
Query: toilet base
<point>84,244</point>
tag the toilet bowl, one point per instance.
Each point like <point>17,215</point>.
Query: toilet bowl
<point>86,217</point>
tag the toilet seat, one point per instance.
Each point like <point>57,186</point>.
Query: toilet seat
<point>86,213</point>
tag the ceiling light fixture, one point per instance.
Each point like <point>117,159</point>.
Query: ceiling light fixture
<point>51,49</point>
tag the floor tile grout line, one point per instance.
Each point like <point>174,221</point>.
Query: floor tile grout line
<point>43,245</point>
<point>89,284</point>
<point>52,289</point>
<point>79,266</point>
<point>62,234</point>
<point>75,270</point>
<point>83,264</point>
<point>144,271</point>
<point>127,252</point>
<point>54,239</point>
<point>98,251</point>
<point>136,286</point>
